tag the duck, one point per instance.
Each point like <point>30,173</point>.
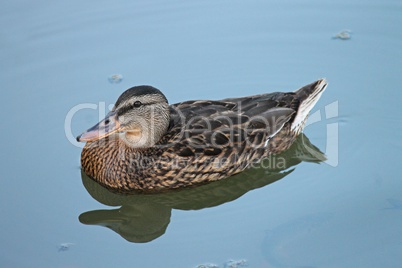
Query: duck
<point>145,145</point>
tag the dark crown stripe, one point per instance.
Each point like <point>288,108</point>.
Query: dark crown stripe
<point>137,92</point>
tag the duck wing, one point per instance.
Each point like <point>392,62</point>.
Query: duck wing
<point>214,128</point>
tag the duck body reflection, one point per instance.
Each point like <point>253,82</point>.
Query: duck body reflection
<point>142,218</point>
<point>145,145</point>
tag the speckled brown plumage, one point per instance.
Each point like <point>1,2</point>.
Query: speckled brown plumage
<point>205,141</point>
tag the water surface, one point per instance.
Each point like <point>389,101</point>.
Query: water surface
<point>57,56</point>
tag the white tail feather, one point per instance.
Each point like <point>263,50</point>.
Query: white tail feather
<point>306,105</point>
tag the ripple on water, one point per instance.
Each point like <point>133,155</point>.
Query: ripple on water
<point>278,241</point>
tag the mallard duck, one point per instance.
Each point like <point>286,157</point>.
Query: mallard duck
<point>146,145</point>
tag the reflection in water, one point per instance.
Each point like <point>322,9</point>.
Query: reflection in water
<point>142,218</point>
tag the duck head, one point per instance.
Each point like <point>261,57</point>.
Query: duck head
<point>140,117</point>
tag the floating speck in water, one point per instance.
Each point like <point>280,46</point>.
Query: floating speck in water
<point>343,35</point>
<point>207,265</point>
<point>228,264</point>
<point>115,78</point>
<point>65,246</point>
<point>235,264</point>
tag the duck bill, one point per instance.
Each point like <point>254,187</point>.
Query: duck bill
<point>104,128</point>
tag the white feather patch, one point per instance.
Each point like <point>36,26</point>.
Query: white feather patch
<point>306,106</point>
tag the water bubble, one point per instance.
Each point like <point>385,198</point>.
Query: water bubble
<point>115,78</point>
<point>343,35</point>
<point>207,265</point>
<point>65,246</point>
<point>236,264</point>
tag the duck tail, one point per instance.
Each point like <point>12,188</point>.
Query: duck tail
<point>308,96</point>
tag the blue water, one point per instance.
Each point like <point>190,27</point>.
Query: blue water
<point>56,59</point>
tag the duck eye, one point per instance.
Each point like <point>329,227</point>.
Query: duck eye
<point>137,104</point>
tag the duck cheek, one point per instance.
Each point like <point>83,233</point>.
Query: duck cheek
<point>133,137</point>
